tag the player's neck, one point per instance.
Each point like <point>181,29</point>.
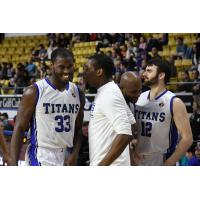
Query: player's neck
<point>156,91</point>
<point>103,82</point>
<point>58,84</point>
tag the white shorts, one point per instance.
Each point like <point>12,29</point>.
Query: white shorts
<point>153,159</point>
<point>44,156</point>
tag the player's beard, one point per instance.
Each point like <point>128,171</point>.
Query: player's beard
<point>152,81</point>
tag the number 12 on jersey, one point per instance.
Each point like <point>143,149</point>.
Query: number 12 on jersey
<point>146,129</point>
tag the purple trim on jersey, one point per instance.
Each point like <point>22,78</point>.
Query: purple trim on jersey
<point>161,95</point>
<point>79,93</point>
<point>51,84</point>
<point>173,139</point>
<point>38,93</point>
<point>32,152</point>
<point>171,105</point>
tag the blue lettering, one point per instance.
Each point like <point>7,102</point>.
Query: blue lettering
<point>148,116</point>
<point>71,108</point>
<point>58,107</point>
<point>64,108</point>
<point>155,116</point>
<point>46,105</point>
<point>162,117</point>
<point>77,107</point>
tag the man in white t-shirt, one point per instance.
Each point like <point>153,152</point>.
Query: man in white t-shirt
<point>111,119</point>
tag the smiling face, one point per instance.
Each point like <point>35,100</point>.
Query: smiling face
<point>62,70</point>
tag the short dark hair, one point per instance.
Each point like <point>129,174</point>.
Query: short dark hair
<point>163,66</point>
<point>62,53</point>
<point>105,62</point>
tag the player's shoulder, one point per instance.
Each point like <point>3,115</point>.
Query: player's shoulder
<point>41,83</point>
<point>170,94</point>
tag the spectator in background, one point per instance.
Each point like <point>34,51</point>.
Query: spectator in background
<point>3,146</point>
<point>31,68</point>
<point>4,70</point>
<point>21,79</point>
<point>62,41</point>
<point>51,47</point>
<point>51,37</point>
<point>196,82</point>
<point>164,39</point>
<point>124,50</point>
<point>195,118</point>
<point>181,47</point>
<point>195,160</point>
<point>131,48</point>
<point>6,123</point>
<point>143,43</point>
<point>119,70</point>
<point>44,70</point>
<point>195,58</point>
<point>188,155</point>
<point>131,63</point>
<point>81,83</point>
<point>10,70</point>
<point>171,61</point>
<point>186,79</point>
<point>155,54</point>
<point>42,54</point>
<point>153,42</point>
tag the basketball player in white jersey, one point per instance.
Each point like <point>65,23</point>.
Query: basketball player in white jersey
<point>161,116</point>
<point>109,129</point>
<point>3,146</point>
<point>131,86</point>
<point>53,109</point>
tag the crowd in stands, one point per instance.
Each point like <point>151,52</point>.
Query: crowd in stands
<point>130,52</point>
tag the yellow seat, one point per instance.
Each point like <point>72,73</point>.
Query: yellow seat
<point>166,53</point>
<point>11,51</point>
<point>178,63</point>
<point>166,48</point>
<point>80,70</point>
<point>172,43</point>
<point>19,51</point>
<point>188,41</point>
<point>173,52</point>
<point>3,51</point>
<point>187,62</point>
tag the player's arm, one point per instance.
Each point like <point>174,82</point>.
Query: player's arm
<point>72,160</point>
<point>24,115</point>
<point>118,146</point>
<point>181,120</point>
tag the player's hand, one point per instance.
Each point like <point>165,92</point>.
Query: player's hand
<point>136,159</point>
<point>167,163</point>
<point>133,144</point>
<point>71,160</point>
<point>7,159</point>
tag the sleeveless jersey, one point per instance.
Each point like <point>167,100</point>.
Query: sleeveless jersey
<point>53,123</point>
<point>157,133</point>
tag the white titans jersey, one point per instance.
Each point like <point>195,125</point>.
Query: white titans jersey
<point>53,123</point>
<point>157,133</point>
<point>110,116</point>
